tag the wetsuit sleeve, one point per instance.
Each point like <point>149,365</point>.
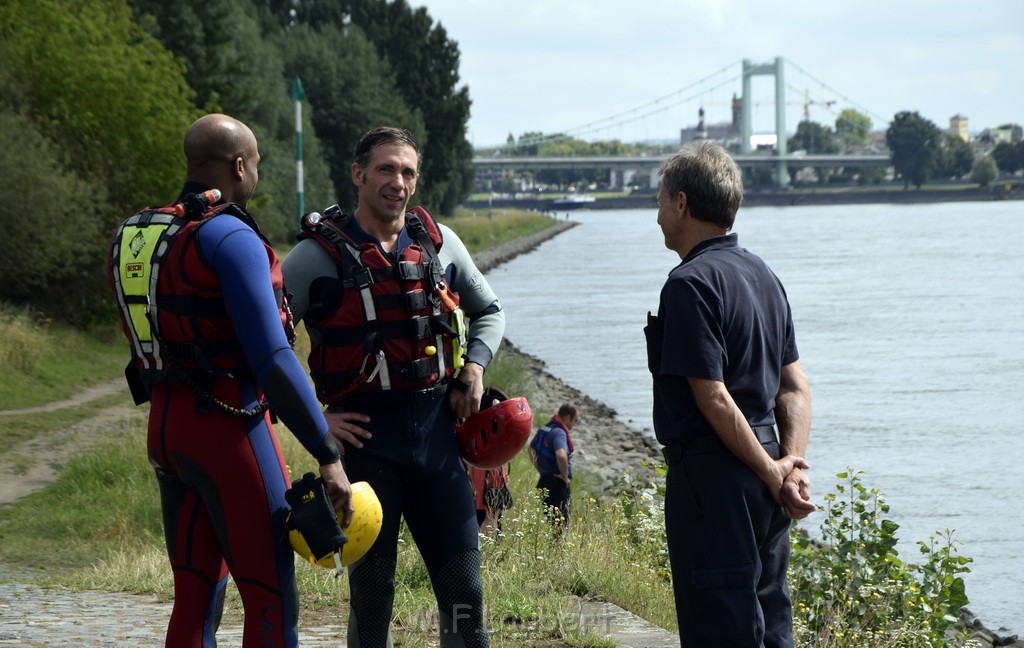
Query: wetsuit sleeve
<point>303,266</point>
<point>239,258</point>
<point>478,301</point>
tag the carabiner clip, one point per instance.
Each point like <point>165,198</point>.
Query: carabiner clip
<point>376,367</point>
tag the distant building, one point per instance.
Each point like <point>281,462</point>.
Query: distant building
<point>958,127</point>
<point>1000,135</point>
<point>723,133</point>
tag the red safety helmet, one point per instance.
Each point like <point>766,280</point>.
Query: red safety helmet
<point>492,436</point>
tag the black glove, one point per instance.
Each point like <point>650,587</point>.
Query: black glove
<point>313,516</point>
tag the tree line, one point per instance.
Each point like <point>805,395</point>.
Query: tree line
<point>97,95</point>
<point>919,152</point>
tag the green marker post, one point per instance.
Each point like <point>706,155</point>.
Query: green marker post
<point>298,96</point>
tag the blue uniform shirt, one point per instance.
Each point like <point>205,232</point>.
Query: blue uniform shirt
<point>723,315</point>
<point>552,437</point>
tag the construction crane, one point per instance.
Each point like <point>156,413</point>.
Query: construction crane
<point>808,102</point>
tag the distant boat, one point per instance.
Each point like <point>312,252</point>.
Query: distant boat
<point>572,201</point>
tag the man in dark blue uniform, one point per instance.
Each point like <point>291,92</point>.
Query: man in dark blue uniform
<point>723,355</point>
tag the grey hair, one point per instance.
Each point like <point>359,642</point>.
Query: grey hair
<point>709,178</point>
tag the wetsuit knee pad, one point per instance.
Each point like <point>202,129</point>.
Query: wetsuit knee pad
<point>460,601</point>
<point>372,587</point>
<point>172,496</point>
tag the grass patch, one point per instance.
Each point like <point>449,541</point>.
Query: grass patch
<point>45,361</point>
<point>103,501</point>
<point>481,229</point>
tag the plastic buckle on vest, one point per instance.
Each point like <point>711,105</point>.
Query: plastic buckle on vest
<point>424,368</point>
<point>415,300</point>
<point>331,236</point>
<point>419,327</point>
<point>362,278</point>
<point>436,272</point>
<point>410,271</point>
<point>445,323</point>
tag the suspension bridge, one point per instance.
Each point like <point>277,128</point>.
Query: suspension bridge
<point>735,130</point>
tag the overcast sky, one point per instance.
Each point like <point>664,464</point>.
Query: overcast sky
<point>603,69</point>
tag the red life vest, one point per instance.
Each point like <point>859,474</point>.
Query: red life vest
<point>490,487</point>
<point>394,331</point>
<point>176,320</point>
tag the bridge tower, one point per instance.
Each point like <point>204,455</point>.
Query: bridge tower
<point>774,69</point>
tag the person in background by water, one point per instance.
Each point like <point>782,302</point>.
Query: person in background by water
<point>722,352</point>
<point>551,452</point>
<point>402,325</point>
<point>220,470</point>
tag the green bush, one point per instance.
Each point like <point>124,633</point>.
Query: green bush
<point>984,171</point>
<point>50,234</point>
<point>851,589</point>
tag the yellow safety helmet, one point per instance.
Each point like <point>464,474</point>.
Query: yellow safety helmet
<point>367,518</point>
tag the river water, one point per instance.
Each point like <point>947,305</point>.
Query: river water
<point>910,324</point>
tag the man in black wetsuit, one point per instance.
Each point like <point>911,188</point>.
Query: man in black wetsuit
<point>402,325</point>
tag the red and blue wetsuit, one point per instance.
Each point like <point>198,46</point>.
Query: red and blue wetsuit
<point>222,477</point>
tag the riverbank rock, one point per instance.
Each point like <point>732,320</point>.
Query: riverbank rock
<point>606,448</point>
<point>982,636</point>
<point>496,255</point>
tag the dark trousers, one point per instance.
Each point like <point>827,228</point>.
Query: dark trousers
<point>559,496</point>
<point>729,550</point>
<point>414,466</point>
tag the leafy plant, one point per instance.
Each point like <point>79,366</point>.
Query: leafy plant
<point>642,523</point>
<point>850,588</point>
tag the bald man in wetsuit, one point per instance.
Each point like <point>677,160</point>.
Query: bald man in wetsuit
<point>224,356</point>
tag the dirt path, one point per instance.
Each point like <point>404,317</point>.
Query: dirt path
<point>34,463</point>
<point>89,394</point>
